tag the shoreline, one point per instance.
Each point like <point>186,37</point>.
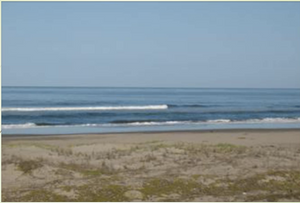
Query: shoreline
<point>234,130</point>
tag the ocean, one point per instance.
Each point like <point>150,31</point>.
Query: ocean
<point>64,110</point>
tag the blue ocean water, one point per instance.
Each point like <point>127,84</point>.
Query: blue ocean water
<point>56,110</point>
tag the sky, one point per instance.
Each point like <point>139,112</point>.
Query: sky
<point>151,44</point>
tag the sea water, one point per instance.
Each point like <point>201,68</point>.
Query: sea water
<point>59,110</point>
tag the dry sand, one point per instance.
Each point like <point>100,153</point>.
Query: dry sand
<point>226,165</point>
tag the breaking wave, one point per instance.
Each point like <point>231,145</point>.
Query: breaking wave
<point>96,108</point>
<point>153,123</point>
<point>190,105</point>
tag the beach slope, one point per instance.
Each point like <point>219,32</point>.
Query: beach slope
<point>223,165</point>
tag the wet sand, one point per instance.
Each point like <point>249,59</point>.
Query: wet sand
<point>218,165</point>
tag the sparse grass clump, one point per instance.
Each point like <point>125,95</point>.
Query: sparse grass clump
<point>270,186</point>
<point>158,187</point>
<point>108,193</point>
<point>27,166</point>
<point>156,171</point>
<point>44,196</point>
<point>149,158</point>
<point>159,146</point>
<point>62,151</point>
<point>276,184</point>
<point>89,170</point>
<point>227,148</point>
<point>207,150</point>
<point>282,184</point>
<point>38,145</point>
<point>73,166</point>
<point>92,173</point>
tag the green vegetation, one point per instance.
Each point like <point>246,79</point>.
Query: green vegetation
<point>159,187</point>
<point>88,170</point>
<point>227,148</point>
<point>108,193</point>
<point>149,158</point>
<point>27,166</point>
<point>92,173</point>
<point>285,184</point>
<point>275,184</point>
<point>38,145</point>
<point>43,196</point>
<point>155,171</point>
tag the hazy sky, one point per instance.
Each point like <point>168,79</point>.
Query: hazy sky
<point>158,44</point>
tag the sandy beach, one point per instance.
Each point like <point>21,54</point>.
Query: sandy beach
<point>218,165</point>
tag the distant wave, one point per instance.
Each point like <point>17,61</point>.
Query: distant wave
<point>215,121</point>
<point>132,121</point>
<point>190,105</point>
<point>46,124</point>
<point>96,108</point>
<point>153,123</point>
<point>143,123</point>
<point>237,111</point>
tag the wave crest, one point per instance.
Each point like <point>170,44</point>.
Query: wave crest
<point>96,108</point>
<point>154,123</point>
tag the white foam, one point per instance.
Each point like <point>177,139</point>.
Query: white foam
<point>274,120</point>
<point>11,126</point>
<point>216,121</point>
<point>147,123</point>
<point>152,123</point>
<point>219,121</point>
<point>95,108</point>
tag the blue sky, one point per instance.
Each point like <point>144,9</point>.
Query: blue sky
<point>151,44</point>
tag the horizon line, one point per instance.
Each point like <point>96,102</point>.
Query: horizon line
<point>136,87</point>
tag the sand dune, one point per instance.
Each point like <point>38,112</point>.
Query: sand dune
<point>226,165</point>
